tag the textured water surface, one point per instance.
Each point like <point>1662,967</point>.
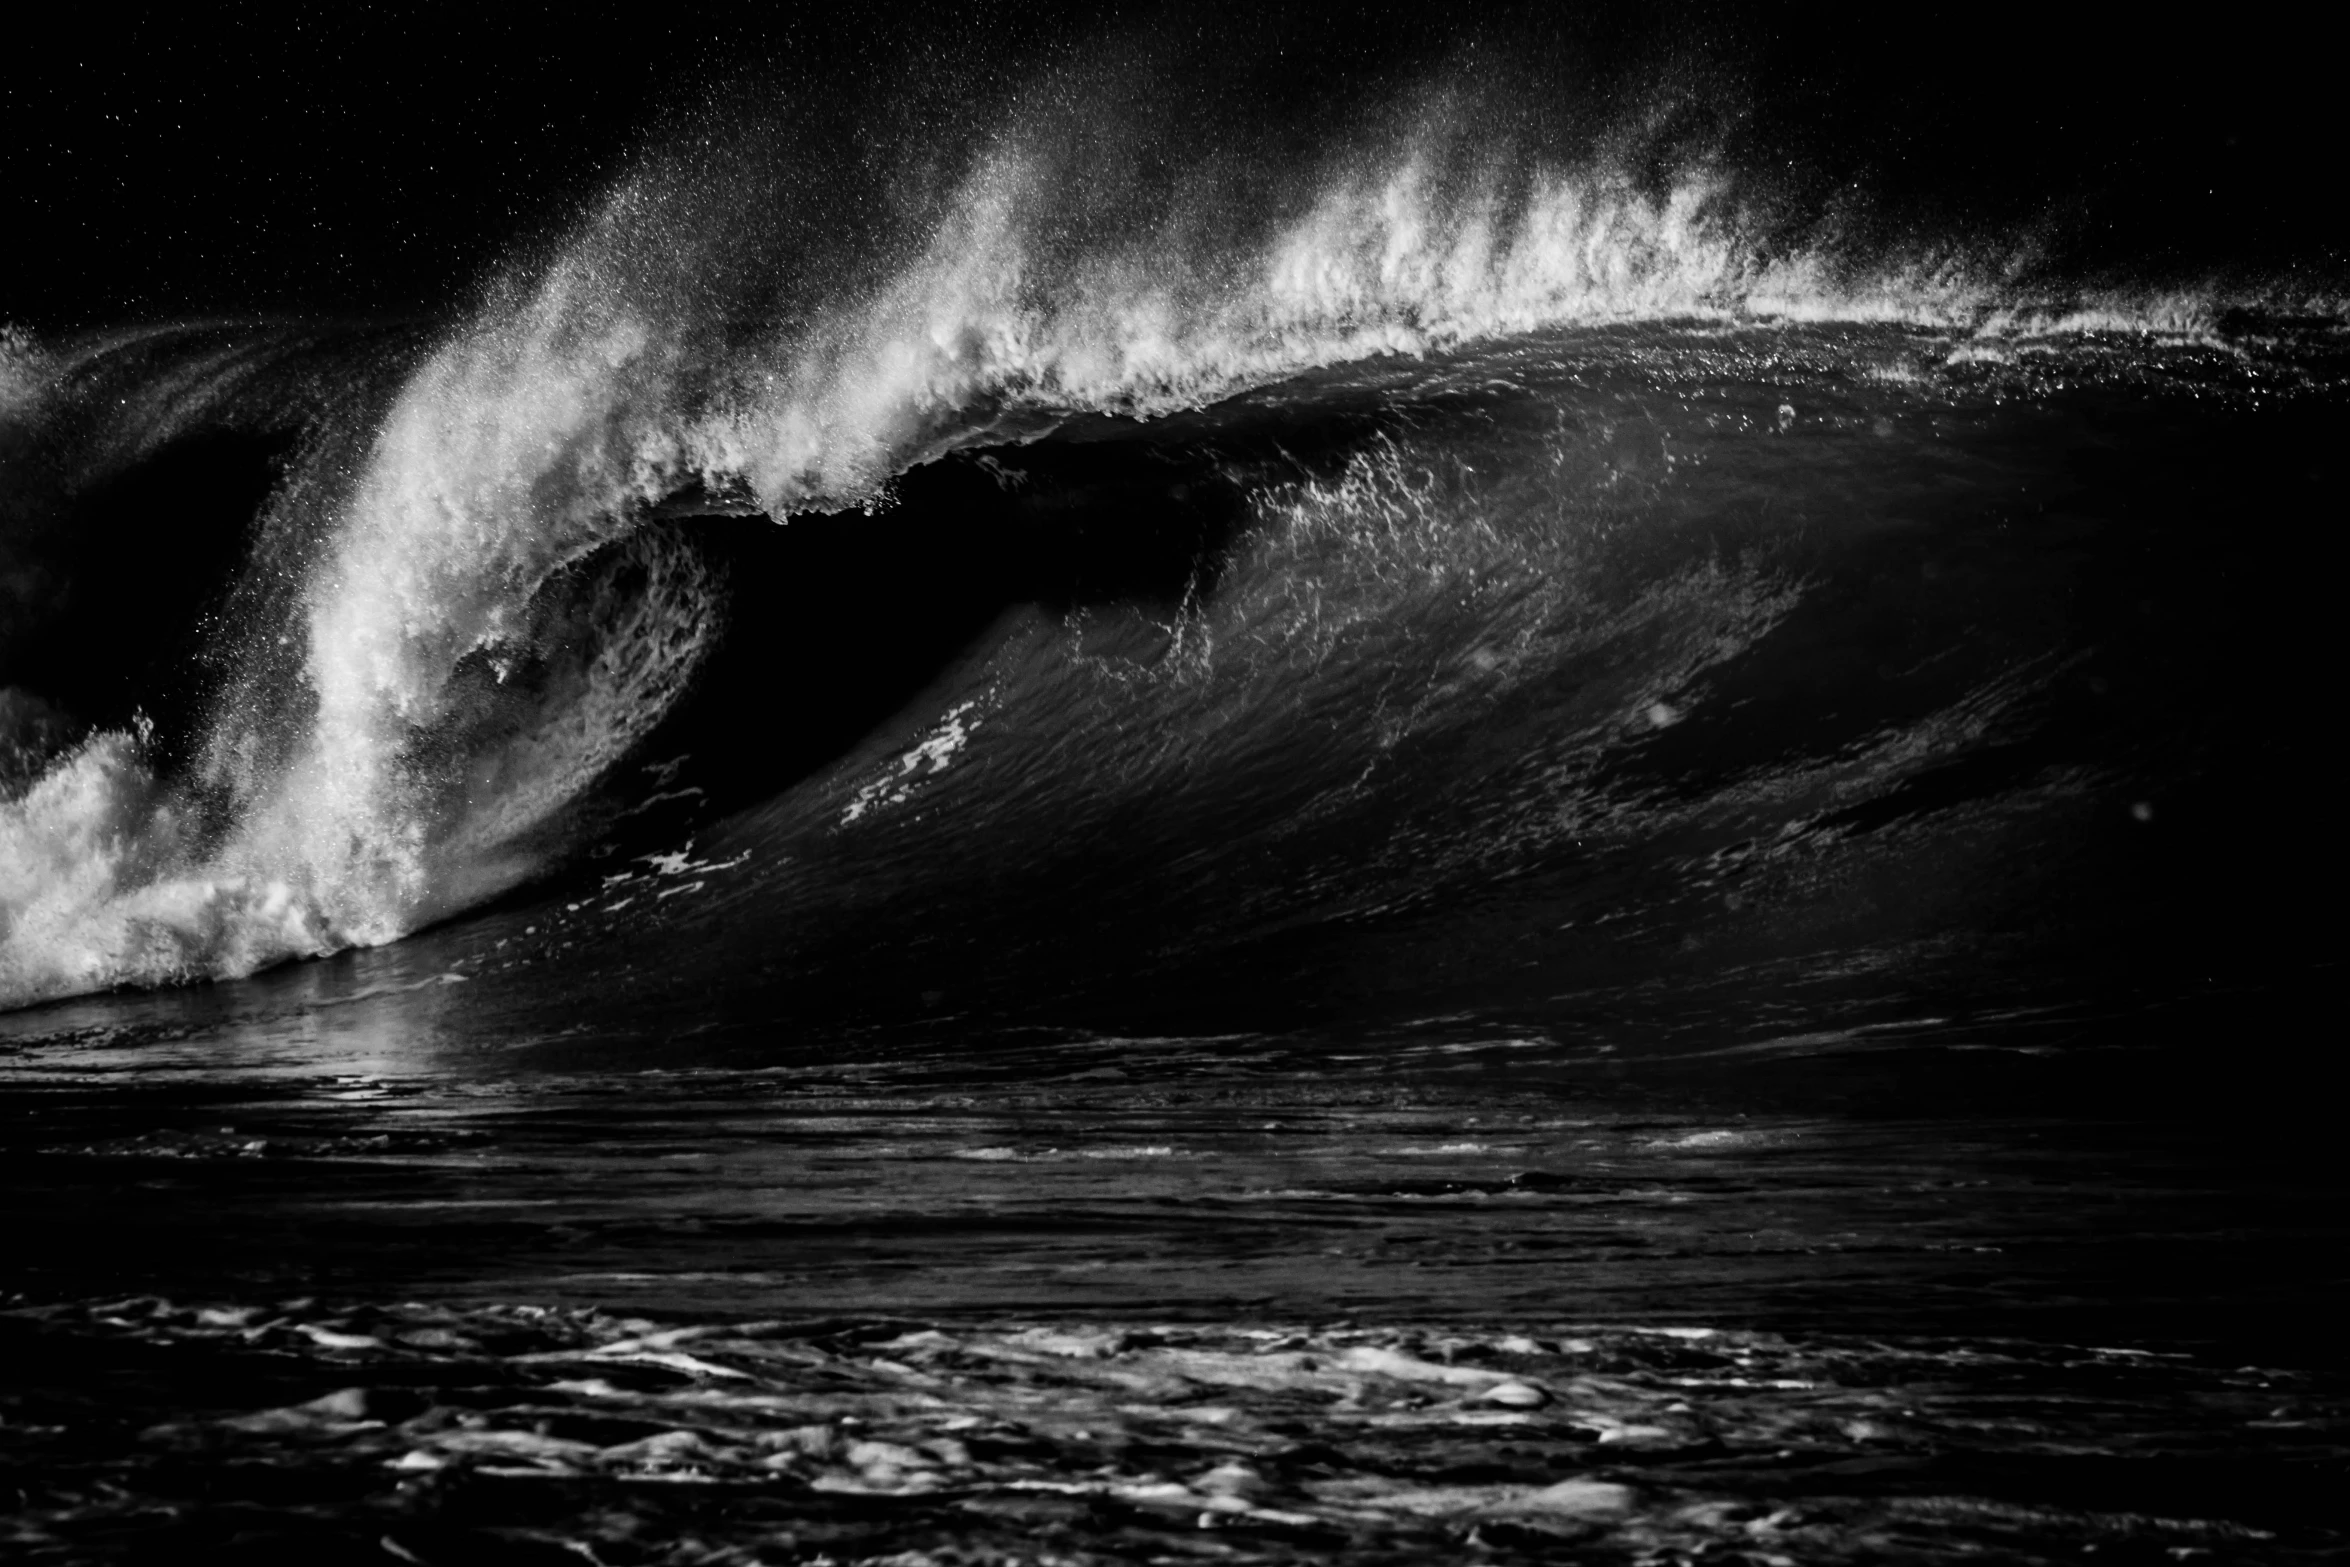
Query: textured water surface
<point>1150,805</point>
<point>420,1432</point>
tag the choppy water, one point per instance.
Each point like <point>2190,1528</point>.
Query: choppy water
<point>1321,1302</point>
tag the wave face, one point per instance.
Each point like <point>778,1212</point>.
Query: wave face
<point>1496,561</point>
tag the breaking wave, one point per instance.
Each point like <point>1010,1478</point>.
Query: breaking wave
<point>479,576</point>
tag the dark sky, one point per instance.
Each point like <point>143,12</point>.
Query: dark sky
<point>378,160</point>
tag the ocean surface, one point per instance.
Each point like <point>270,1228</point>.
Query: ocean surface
<point>1470,798</point>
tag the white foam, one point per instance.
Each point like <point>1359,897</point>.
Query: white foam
<point>926,759</point>
<point>82,905</point>
<point>994,314</point>
<point>521,447</point>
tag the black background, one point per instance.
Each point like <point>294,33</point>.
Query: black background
<point>381,160</point>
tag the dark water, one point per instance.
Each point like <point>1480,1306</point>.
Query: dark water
<point>1404,841</point>
<point>1232,1175</point>
<point>1432,1293</point>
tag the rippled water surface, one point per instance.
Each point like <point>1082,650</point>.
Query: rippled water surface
<point>1263,1297</point>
